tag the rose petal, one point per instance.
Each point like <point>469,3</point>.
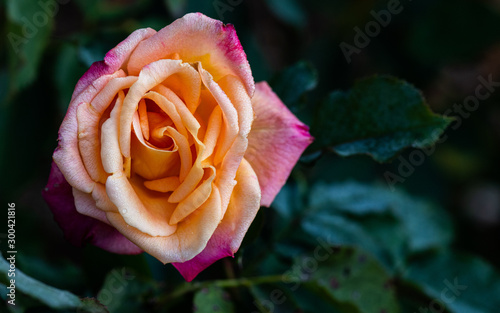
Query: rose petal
<point>150,162</point>
<point>190,238</point>
<point>227,238</point>
<point>80,229</point>
<point>194,200</point>
<point>86,205</point>
<point>213,131</point>
<point>226,172</point>
<point>113,60</point>
<point>150,76</point>
<point>229,113</point>
<point>111,156</point>
<point>166,184</point>
<point>89,116</point>
<point>275,143</point>
<point>188,120</point>
<point>67,154</point>
<point>146,210</point>
<point>196,37</point>
<point>102,200</point>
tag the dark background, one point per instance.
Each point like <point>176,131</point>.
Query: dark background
<point>440,46</point>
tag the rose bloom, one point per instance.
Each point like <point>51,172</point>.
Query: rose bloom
<point>169,147</point>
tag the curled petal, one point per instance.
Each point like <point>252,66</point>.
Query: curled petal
<point>275,143</point>
<point>231,127</point>
<point>86,205</point>
<point>195,199</point>
<point>166,184</point>
<point>67,154</point>
<point>80,229</point>
<point>140,207</point>
<point>149,162</point>
<point>150,76</point>
<point>88,118</point>
<point>234,156</point>
<point>196,37</point>
<point>243,206</point>
<point>190,238</point>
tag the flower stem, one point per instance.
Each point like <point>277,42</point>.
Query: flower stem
<point>223,283</point>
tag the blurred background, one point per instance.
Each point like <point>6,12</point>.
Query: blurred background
<point>442,47</point>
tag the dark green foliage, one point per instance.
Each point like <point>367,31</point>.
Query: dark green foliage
<point>379,116</point>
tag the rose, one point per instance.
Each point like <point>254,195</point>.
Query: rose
<point>168,147</point>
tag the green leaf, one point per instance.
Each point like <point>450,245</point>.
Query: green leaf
<point>462,283</point>
<point>368,216</point>
<point>212,299</point>
<point>341,231</point>
<point>355,279</point>
<point>287,202</point>
<point>50,296</point>
<point>264,303</point>
<point>61,273</point>
<point>294,82</point>
<point>28,30</point>
<point>310,301</point>
<point>123,291</point>
<point>91,305</point>
<point>427,225</point>
<point>23,302</point>
<point>379,116</point>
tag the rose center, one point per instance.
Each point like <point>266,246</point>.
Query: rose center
<point>154,123</point>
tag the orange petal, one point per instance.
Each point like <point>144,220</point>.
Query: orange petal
<point>67,155</point>
<point>166,184</point>
<point>196,37</point>
<point>86,205</point>
<point>151,75</point>
<point>141,208</point>
<point>149,162</point>
<point>189,239</point>
<point>112,159</point>
<point>194,200</point>
<point>228,236</point>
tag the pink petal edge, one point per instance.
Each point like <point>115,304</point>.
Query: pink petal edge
<point>77,228</point>
<point>113,60</point>
<point>195,37</point>
<point>275,143</point>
